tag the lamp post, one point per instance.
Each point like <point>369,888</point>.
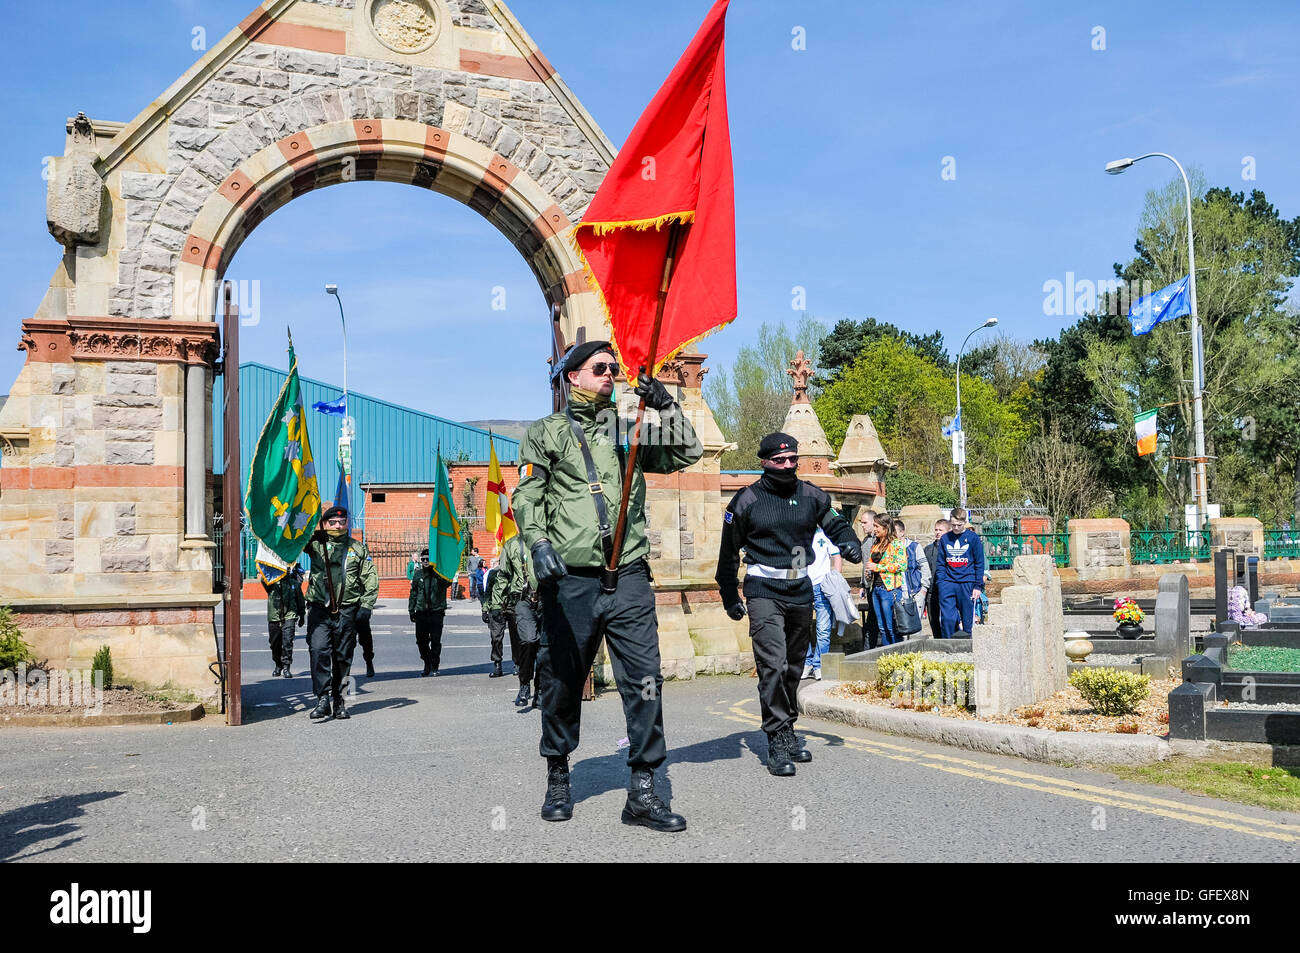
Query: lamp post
<point>1198,383</point>
<point>959,436</point>
<point>345,438</point>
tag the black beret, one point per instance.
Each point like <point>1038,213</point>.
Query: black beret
<point>332,512</point>
<point>425,551</point>
<point>775,443</point>
<point>579,353</point>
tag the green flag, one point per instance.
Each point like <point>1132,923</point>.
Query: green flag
<point>282,500</point>
<point>446,535</point>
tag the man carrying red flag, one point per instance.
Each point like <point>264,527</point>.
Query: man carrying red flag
<point>661,288</point>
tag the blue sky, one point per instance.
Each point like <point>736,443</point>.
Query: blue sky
<point>839,150</point>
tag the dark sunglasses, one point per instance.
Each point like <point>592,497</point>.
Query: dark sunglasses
<point>781,461</point>
<point>601,368</point>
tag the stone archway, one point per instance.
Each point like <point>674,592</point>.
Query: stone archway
<point>107,485</point>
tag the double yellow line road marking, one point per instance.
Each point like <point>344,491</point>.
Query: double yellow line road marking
<point>1060,787</point>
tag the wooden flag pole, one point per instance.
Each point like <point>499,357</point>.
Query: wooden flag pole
<point>634,441</point>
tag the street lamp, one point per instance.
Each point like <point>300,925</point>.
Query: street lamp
<point>345,438</point>
<point>959,436</point>
<point>1198,383</point>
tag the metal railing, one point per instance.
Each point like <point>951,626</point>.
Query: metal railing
<point>1001,549</point>
<point>1281,544</point>
<point>1151,546</point>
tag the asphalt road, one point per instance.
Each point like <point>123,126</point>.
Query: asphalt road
<point>447,769</point>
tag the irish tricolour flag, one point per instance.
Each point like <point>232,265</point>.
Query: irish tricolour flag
<point>1145,424</point>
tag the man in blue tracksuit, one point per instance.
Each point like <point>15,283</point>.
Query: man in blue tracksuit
<point>959,576</point>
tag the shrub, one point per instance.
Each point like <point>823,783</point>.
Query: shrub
<point>103,662</point>
<point>13,650</point>
<point>933,682</point>
<point>1110,691</point>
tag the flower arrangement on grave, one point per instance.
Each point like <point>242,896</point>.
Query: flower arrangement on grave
<point>1127,611</point>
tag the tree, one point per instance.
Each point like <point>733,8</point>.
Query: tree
<point>750,399</point>
<point>905,488</point>
<point>1060,476</point>
<point>847,339</point>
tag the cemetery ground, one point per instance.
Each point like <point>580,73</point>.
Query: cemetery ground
<point>447,769</point>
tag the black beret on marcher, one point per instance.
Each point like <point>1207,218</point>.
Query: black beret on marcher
<point>775,443</point>
<point>425,552</point>
<point>332,512</point>
<point>579,353</point>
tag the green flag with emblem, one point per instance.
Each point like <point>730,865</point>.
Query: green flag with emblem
<point>283,500</point>
<point>446,534</point>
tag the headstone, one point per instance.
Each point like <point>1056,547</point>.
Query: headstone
<point>1252,579</point>
<point>1020,656</point>
<point>1173,617</point>
<point>1225,562</point>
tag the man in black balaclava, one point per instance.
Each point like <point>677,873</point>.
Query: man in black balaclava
<point>774,520</point>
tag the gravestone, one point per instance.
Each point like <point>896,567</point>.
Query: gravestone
<point>1173,617</point>
<point>1020,656</point>
<point>1252,579</point>
<point>1225,565</point>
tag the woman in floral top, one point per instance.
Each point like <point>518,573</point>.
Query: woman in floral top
<point>888,566</point>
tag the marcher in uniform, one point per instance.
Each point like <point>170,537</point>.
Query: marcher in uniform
<point>571,479</point>
<point>427,607</point>
<point>285,608</point>
<point>774,521</point>
<point>343,584</point>
<point>515,595</point>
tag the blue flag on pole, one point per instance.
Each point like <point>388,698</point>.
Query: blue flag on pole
<point>1169,302</point>
<point>952,428</point>
<point>336,408</point>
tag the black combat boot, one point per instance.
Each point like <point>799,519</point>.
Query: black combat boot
<point>276,673</point>
<point>322,709</point>
<point>370,669</point>
<point>428,667</point>
<point>285,671</point>
<point>646,809</point>
<point>558,805</point>
<point>340,710</point>
<point>794,747</point>
<point>496,670</point>
<point>522,698</point>
<point>778,759</point>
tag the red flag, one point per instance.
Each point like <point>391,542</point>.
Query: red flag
<point>674,167</point>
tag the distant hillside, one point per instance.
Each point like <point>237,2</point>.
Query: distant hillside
<point>514,429</point>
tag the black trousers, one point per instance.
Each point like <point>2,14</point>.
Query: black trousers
<point>428,636</point>
<point>364,638</point>
<point>782,633</point>
<point>575,615</point>
<point>280,635</point>
<point>331,641</point>
<point>498,622</point>
<point>932,609</point>
<point>525,637</point>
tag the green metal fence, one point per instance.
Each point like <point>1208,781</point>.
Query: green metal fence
<point>1001,549</point>
<point>1281,544</point>
<point>1152,546</point>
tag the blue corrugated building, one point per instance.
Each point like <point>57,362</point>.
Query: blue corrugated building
<point>393,444</point>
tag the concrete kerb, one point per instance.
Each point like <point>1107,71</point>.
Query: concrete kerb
<point>72,720</point>
<point>1033,744</point>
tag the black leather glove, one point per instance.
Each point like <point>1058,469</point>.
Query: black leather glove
<point>547,564</point>
<point>852,552</point>
<point>654,392</point>
<point>485,616</point>
<point>736,610</point>
<point>364,614</point>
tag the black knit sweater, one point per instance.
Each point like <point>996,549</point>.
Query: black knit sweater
<point>775,525</point>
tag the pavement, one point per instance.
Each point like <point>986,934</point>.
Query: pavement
<point>447,768</point>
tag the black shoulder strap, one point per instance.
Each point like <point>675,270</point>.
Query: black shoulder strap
<point>597,491</point>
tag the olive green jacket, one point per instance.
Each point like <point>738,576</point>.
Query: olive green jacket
<point>514,576</point>
<point>284,599</point>
<point>428,593</point>
<point>357,583</point>
<point>553,500</point>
